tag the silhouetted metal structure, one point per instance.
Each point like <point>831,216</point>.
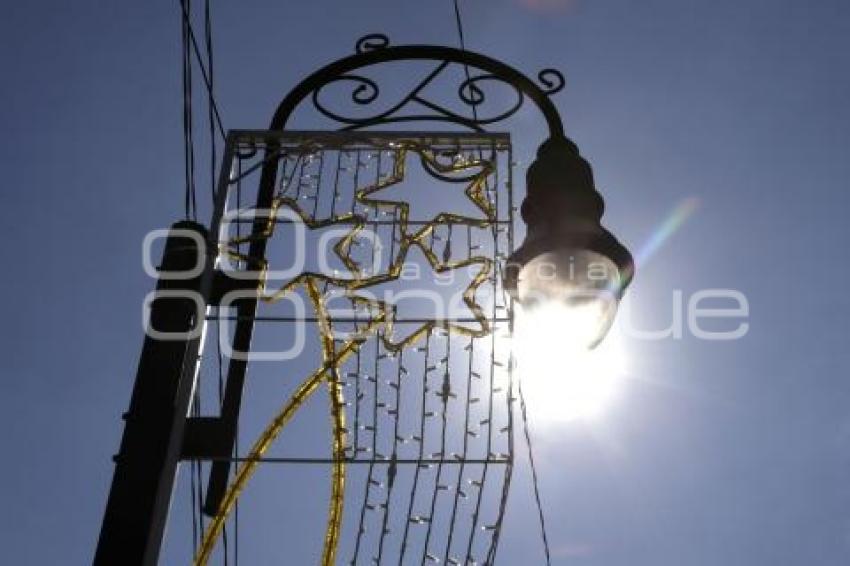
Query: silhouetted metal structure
<point>159,431</point>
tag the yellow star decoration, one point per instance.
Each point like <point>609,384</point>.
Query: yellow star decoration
<point>335,354</point>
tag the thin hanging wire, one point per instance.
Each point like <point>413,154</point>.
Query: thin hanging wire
<point>208,45</point>
<point>193,42</point>
<point>208,41</point>
<point>189,199</point>
<point>526,431</point>
<point>191,210</point>
<point>195,529</point>
<point>462,41</point>
<point>533,473</point>
<point>205,64</point>
<point>188,143</point>
<point>198,466</point>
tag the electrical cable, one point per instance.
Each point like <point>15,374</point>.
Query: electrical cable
<point>190,32</point>
<point>189,43</point>
<point>191,206</point>
<point>534,479</point>
<point>188,145</point>
<point>208,41</point>
<point>462,41</point>
<point>208,44</point>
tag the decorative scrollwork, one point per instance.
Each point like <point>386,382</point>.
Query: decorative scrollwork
<point>372,41</point>
<point>365,92</point>
<point>470,92</point>
<point>473,95</point>
<point>552,79</point>
<point>416,105</point>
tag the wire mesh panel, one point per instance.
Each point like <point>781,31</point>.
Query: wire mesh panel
<point>381,289</point>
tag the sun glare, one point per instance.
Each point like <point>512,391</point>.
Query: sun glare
<point>562,382</point>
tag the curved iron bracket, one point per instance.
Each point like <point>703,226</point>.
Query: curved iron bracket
<point>374,49</point>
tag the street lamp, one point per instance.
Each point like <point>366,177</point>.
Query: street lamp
<point>566,280</point>
<point>569,274</point>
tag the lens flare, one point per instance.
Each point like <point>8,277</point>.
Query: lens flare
<point>677,217</point>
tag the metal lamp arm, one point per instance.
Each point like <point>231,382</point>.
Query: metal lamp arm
<point>373,50</point>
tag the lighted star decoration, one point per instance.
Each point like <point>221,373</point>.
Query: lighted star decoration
<point>335,353</point>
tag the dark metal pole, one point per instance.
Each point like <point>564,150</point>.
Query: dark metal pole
<point>146,464</point>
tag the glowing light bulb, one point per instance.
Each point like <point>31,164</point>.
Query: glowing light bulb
<point>572,294</point>
<point>563,380</point>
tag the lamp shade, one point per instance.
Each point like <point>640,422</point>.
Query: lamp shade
<point>569,268</point>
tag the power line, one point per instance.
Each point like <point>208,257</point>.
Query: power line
<point>190,44</point>
<point>459,23</point>
<point>188,142</point>
<point>194,43</point>
<point>534,480</point>
<point>208,41</point>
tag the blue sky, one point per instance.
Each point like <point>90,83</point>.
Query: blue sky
<point>731,453</point>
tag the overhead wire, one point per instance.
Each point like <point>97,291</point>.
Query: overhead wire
<point>462,42</point>
<point>208,41</point>
<point>534,480</point>
<point>205,64</point>
<point>190,32</point>
<point>211,118</point>
<point>190,211</point>
<point>188,143</point>
<point>523,411</point>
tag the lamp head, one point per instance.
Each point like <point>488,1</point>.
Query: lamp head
<point>569,266</point>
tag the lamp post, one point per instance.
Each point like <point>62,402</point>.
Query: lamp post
<point>569,269</point>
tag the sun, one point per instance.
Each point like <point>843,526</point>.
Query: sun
<point>561,382</point>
